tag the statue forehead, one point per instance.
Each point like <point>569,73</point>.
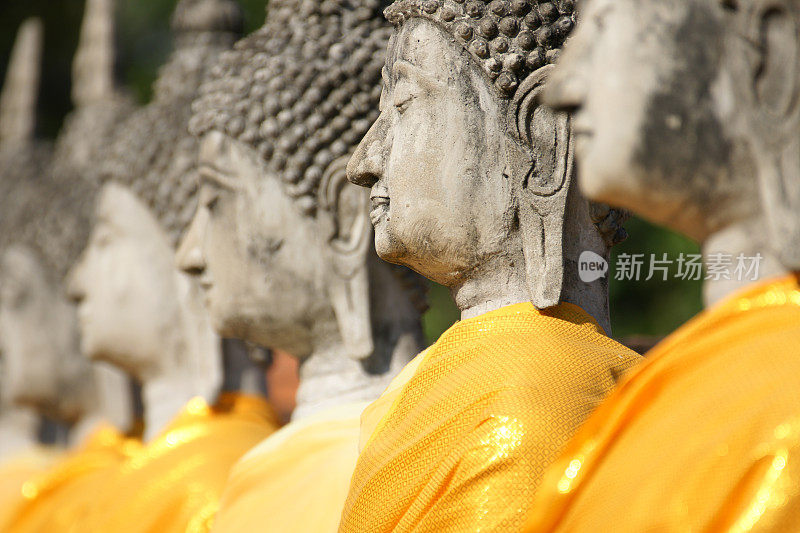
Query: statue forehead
<point>120,208</point>
<point>221,165</point>
<point>423,44</point>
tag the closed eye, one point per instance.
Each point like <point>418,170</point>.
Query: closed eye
<point>211,202</point>
<point>209,196</point>
<point>401,104</point>
<point>404,94</point>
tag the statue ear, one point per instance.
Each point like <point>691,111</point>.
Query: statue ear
<point>347,232</point>
<point>540,159</point>
<point>774,92</point>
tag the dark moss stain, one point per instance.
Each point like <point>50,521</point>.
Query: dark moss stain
<point>697,149</point>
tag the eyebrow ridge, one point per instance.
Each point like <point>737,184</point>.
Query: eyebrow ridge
<point>211,174</point>
<point>427,79</point>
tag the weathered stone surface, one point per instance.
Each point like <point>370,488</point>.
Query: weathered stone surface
<point>42,228</point>
<point>687,113</point>
<point>280,241</point>
<point>138,311</point>
<point>471,178</point>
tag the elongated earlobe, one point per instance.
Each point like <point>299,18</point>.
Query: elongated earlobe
<point>343,216</point>
<point>773,91</point>
<point>540,161</point>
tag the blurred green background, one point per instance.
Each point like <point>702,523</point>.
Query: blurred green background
<point>639,308</point>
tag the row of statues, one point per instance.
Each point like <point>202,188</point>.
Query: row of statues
<point>291,189</point>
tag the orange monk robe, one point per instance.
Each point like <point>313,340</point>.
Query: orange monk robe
<point>175,482</point>
<point>467,438</point>
<point>14,472</point>
<point>705,436</point>
<point>296,481</point>
<point>60,498</point>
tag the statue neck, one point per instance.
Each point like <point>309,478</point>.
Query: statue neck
<point>240,373</point>
<point>749,238</point>
<point>108,401</point>
<point>501,283</point>
<point>329,377</point>
<point>166,395</point>
<point>192,364</point>
<point>18,429</point>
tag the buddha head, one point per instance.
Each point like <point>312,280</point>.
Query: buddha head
<point>470,177</point>
<point>280,240</point>
<point>38,334</point>
<point>137,310</point>
<point>688,112</point>
<point>42,229</point>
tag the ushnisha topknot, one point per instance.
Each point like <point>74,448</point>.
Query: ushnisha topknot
<point>207,17</point>
<point>508,38</point>
<point>302,90</point>
<point>152,152</point>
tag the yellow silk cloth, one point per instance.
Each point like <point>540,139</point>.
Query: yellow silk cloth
<point>14,472</point>
<point>705,436</point>
<point>60,498</point>
<point>175,482</point>
<point>295,481</point>
<point>467,438</point>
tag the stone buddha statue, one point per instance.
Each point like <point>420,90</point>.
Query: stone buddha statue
<point>472,186</point>
<point>22,158</point>
<point>41,219</point>
<point>139,312</point>
<point>42,228</point>
<point>689,116</point>
<point>20,153</point>
<point>143,315</point>
<point>281,244</point>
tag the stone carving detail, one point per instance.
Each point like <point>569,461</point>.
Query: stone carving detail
<point>303,89</point>
<point>530,146</point>
<point>508,38</point>
<point>152,152</point>
<point>710,138</point>
<point>279,116</point>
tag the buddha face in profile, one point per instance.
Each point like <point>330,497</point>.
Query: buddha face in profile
<point>442,202</point>
<point>38,337</point>
<point>126,286</point>
<point>469,176</point>
<point>279,241</point>
<point>259,261</point>
<point>676,102</point>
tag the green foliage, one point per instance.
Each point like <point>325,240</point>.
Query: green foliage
<point>442,313</point>
<point>654,307</point>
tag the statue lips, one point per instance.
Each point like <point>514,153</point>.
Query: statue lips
<point>206,285</point>
<point>83,316</point>
<point>582,131</point>
<point>380,207</point>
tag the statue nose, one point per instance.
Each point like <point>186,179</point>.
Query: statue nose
<point>367,165</point>
<point>75,290</point>
<point>189,257</point>
<point>192,262</point>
